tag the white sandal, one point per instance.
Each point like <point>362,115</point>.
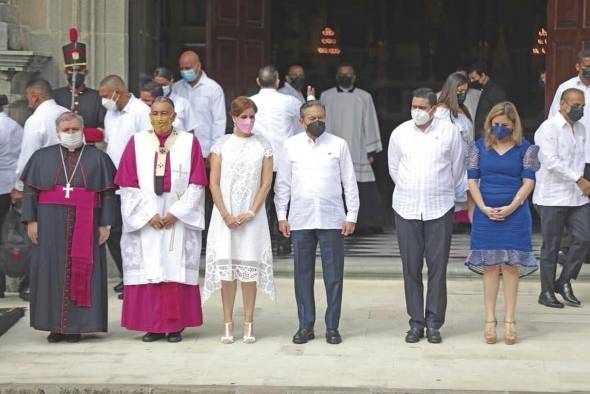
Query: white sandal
<point>228,337</point>
<point>249,337</point>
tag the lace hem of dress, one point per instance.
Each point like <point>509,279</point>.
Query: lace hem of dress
<point>260,272</point>
<point>478,260</point>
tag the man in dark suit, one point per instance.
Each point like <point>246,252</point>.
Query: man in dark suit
<point>491,94</point>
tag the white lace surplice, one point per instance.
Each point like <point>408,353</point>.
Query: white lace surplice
<point>245,253</point>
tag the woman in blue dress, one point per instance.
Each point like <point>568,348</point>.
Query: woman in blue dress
<point>501,172</point>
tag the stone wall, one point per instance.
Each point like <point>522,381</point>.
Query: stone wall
<point>42,26</point>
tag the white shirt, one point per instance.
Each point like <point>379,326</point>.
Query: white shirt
<point>561,153</point>
<point>291,91</point>
<point>575,82</point>
<point>426,167</point>
<point>277,118</point>
<point>11,137</point>
<point>208,105</point>
<point>119,126</point>
<point>311,176</point>
<point>185,119</point>
<point>39,132</point>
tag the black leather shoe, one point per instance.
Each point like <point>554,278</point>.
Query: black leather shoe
<point>153,336</point>
<point>433,335</point>
<point>73,338</point>
<point>414,335</point>
<point>333,337</point>
<point>175,337</point>
<point>303,335</point>
<point>118,288</point>
<point>55,337</point>
<point>548,298</point>
<point>567,293</point>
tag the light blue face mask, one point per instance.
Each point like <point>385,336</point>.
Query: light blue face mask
<point>166,90</point>
<point>188,75</point>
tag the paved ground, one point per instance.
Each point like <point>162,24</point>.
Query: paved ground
<point>553,353</point>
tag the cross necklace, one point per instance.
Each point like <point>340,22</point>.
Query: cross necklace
<point>68,188</point>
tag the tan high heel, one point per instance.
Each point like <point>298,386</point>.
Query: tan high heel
<point>249,337</point>
<point>509,332</point>
<point>228,337</point>
<point>489,333</point>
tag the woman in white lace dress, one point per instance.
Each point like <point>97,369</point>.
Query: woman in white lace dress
<point>238,240</point>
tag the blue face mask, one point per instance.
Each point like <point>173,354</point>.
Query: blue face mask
<point>500,132</point>
<point>166,90</point>
<point>188,75</point>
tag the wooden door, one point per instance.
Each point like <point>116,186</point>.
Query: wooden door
<point>184,27</point>
<point>238,43</point>
<point>144,40</point>
<point>568,30</point>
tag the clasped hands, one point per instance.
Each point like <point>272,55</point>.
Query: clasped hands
<point>234,222</point>
<point>159,223</point>
<point>500,213</point>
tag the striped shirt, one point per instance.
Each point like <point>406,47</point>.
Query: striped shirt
<point>426,167</point>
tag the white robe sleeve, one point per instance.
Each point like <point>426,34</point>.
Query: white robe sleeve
<point>190,208</point>
<point>136,209</point>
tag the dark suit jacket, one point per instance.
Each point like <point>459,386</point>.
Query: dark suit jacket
<point>491,95</point>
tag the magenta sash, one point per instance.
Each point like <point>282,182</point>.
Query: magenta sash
<point>81,251</point>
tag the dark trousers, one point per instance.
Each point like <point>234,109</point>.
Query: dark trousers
<point>553,222</point>
<point>114,241</point>
<point>332,251</point>
<point>428,240</point>
<point>4,206</point>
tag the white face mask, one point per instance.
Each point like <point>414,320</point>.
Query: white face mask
<point>420,117</point>
<point>71,140</point>
<point>110,104</point>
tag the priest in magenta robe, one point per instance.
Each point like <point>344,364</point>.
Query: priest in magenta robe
<point>162,179</point>
<point>68,205</point>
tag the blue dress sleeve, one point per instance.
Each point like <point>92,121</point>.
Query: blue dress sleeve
<point>530,162</point>
<point>473,161</point>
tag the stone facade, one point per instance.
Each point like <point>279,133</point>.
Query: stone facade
<point>42,26</point>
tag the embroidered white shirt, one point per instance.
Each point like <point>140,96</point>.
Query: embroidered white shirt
<point>312,175</point>
<point>207,103</point>
<point>426,167</point>
<point>39,132</point>
<point>277,118</point>
<point>575,82</point>
<point>561,153</point>
<point>119,126</point>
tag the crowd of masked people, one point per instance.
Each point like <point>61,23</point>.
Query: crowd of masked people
<point>155,179</point>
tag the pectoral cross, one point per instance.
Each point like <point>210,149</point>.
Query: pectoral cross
<point>67,189</point>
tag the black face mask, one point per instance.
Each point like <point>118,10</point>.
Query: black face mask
<point>297,82</point>
<point>576,113</point>
<point>585,72</point>
<point>316,128</point>
<point>79,79</point>
<point>475,85</point>
<point>461,97</point>
<point>344,81</point>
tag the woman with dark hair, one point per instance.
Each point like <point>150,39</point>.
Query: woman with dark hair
<point>238,241</point>
<point>501,169</point>
<point>185,120</point>
<point>451,107</point>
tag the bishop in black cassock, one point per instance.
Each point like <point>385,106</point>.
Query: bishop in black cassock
<point>69,194</point>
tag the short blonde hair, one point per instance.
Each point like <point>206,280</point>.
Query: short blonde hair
<point>509,110</point>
